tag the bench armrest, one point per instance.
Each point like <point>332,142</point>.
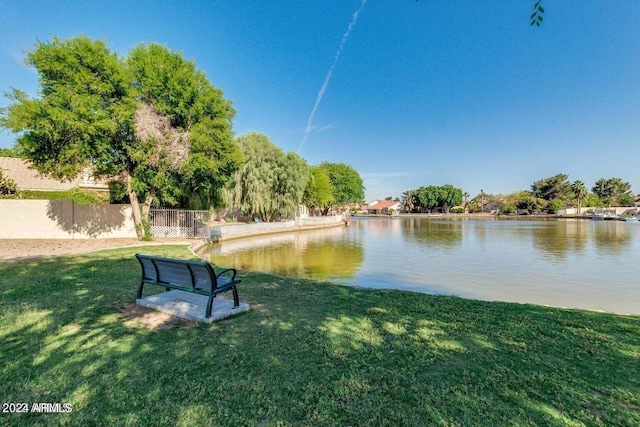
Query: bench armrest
<point>226,270</point>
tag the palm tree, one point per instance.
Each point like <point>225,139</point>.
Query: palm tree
<point>407,199</point>
<point>580,192</point>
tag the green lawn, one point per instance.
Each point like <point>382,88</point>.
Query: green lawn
<point>308,353</point>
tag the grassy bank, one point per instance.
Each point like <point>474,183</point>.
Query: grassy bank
<point>307,354</point>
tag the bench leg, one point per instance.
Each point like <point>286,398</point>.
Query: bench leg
<point>140,289</point>
<point>207,313</point>
<point>236,300</point>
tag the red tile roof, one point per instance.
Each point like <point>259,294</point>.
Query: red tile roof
<point>383,204</point>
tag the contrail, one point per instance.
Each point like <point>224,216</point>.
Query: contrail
<point>328,77</point>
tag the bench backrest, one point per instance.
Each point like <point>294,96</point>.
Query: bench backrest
<point>198,274</point>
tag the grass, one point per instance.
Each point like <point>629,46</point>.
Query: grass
<point>308,353</point>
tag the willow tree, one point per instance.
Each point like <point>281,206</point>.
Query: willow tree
<point>270,184</point>
<point>151,120</point>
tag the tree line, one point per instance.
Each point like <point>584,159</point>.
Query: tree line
<point>555,193</point>
<point>153,123</point>
<point>550,195</point>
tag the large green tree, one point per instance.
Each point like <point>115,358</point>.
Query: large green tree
<point>431,196</point>
<point>151,120</point>
<point>346,181</point>
<point>554,187</point>
<point>612,190</point>
<point>270,184</point>
<point>450,196</point>
<point>199,152</point>
<point>319,191</point>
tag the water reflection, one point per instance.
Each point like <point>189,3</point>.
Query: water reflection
<point>435,234</point>
<point>559,239</point>
<point>569,263</point>
<point>317,254</point>
<point>614,236</point>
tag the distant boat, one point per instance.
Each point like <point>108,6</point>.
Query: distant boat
<point>601,214</point>
<point>629,218</point>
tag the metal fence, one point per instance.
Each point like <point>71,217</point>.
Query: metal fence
<point>179,223</point>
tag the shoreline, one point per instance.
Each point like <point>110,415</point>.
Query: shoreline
<point>16,250</point>
<point>474,216</point>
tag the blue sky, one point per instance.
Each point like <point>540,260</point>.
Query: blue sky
<point>409,93</point>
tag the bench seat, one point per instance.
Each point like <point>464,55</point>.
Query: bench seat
<point>192,276</point>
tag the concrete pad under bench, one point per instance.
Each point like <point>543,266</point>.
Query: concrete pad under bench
<point>190,306</point>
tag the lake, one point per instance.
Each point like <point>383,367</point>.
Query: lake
<point>559,262</point>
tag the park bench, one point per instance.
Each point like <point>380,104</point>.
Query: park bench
<point>191,276</point>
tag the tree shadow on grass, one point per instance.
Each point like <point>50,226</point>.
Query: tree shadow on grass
<point>307,354</point>
<point>142,317</point>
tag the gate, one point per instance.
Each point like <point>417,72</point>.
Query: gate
<point>179,223</point>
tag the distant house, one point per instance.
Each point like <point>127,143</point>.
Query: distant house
<point>383,207</point>
<point>492,206</point>
<point>26,178</point>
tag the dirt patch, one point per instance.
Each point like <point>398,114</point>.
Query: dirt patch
<point>24,249</point>
<point>143,317</point>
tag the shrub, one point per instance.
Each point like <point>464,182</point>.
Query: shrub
<point>78,195</point>
<point>508,208</point>
<point>625,200</point>
<point>555,205</point>
<point>8,186</point>
<point>531,204</point>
